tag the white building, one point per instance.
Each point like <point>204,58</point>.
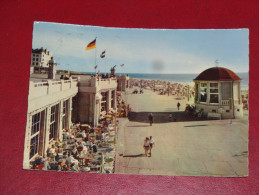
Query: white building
<point>40,58</point>
<point>122,82</point>
<point>49,112</point>
<point>218,93</point>
<point>95,95</point>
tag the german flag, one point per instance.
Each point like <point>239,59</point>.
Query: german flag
<point>91,45</point>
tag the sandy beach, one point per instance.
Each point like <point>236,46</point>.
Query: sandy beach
<point>194,148</point>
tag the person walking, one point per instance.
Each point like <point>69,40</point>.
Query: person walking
<point>150,118</point>
<point>146,145</point>
<point>178,105</point>
<point>151,144</point>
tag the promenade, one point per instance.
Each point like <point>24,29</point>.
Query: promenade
<point>182,148</point>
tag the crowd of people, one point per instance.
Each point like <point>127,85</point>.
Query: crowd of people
<point>82,149</point>
<point>164,87</point>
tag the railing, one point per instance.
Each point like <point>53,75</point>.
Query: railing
<point>225,102</point>
<point>40,84</point>
<point>47,87</point>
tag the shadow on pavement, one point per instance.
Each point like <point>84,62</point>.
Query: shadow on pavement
<point>139,126</point>
<point>163,117</point>
<point>135,155</point>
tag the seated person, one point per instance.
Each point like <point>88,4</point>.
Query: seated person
<point>82,144</point>
<point>83,134</point>
<point>75,152</point>
<point>46,165</point>
<point>53,152</point>
<point>70,159</point>
<point>102,135</point>
<point>73,167</point>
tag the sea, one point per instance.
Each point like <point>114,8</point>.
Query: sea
<point>182,78</point>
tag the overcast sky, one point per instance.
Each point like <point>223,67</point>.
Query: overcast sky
<point>143,50</point>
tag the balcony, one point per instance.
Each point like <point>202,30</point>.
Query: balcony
<point>94,84</point>
<point>42,94</point>
<point>39,89</point>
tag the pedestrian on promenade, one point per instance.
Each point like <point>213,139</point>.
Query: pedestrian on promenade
<point>150,118</point>
<point>146,145</point>
<point>151,144</point>
<point>178,105</point>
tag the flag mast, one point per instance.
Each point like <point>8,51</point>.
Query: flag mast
<point>105,64</point>
<point>95,65</point>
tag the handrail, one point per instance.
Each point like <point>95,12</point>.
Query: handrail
<point>39,84</point>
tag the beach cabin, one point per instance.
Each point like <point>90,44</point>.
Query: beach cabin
<point>218,93</point>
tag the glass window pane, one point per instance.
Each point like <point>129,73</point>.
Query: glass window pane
<point>203,84</point>
<point>214,85</point>
<point>214,98</point>
<point>214,90</point>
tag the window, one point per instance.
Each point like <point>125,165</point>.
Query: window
<point>64,114</point>
<point>214,93</point>
<point>226,90</point>
<point>33,55</point>
<point>104,96</point>
<point>35,129</point>
<point>103,106</point>
<point>33,59</point>
<point>53,124</point>
<point>33,63</point>
<point>37,59</point>
<point>36,63</point>
<point>113,99</point>
<point>113,94</point>
<point>203,92</point>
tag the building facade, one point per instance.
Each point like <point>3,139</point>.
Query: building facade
<point>122,82</point>
<point>95,95</point>
<point>49,112</point>
<point>40,58</point>
<point>218,93</point>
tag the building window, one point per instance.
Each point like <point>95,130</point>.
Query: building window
<point>35,129</point>
<point>53,123</point>
<point>103,106</point>
<point>33,59</point>
<point>37,63</point>
<point>33,55</point>
<point>37,59</point>
<point>104,96</point>
<point>203,92</point>
<point>64,114</point>
<point>113,99</point>
<point>33,63</point>
<point>214,93</point>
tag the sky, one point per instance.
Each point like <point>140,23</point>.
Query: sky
<point>143,50</point>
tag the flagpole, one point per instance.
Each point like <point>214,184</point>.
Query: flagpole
<point>105,63</point>
<point>95,60</point>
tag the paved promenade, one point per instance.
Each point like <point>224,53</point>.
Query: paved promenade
<point>193,148</point>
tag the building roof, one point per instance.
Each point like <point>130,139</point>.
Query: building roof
<point>217,74</point>
<point>40,51</point>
